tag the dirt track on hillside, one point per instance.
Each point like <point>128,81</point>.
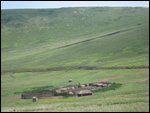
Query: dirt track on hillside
<point>99,36</point>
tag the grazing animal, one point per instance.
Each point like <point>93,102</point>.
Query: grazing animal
<point>34,99</point>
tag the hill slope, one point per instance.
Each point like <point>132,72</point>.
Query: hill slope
<point>29,37</point>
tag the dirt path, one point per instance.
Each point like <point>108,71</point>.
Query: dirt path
<point>10,97</point>
<point>146,80</point>
<point>99,36</point>
<point>18,97</point>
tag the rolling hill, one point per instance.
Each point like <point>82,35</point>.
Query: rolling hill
<point>43,48</point>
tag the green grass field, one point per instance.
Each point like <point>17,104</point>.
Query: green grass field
<point>42,39</point>
<point>132,95</point>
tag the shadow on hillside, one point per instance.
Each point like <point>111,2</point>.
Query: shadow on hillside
<point>37,89</point>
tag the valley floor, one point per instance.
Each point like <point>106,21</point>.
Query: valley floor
<point>132,95</point>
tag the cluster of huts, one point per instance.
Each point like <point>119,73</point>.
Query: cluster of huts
<point>83,89</point>
<point>78,90</point>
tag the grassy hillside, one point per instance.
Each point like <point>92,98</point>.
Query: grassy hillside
<point>50,26</point>
<point>58,44</point>
<point>124,49</point>
<point>32,43</point>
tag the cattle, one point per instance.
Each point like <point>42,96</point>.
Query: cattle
<point>34,99</point>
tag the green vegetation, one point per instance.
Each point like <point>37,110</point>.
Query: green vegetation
<point>55,44</point>
<point>120,99</point>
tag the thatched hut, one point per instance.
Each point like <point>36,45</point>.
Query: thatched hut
<point>84,92</point>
